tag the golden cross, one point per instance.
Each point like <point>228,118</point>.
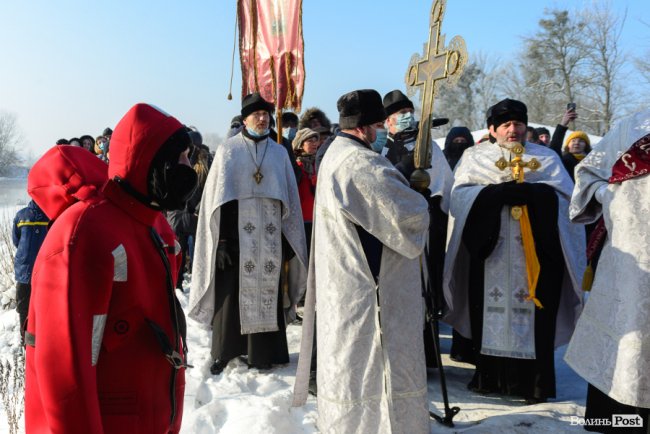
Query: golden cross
<point>426,73</point>
<point>258,176</point>
<point>517,165</point>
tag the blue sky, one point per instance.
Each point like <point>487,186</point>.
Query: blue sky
<point>73,67</point>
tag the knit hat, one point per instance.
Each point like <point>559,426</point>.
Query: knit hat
<point>578,135</point>
<point>507,110</point>
<point>395,101</point>
<point>302,136</point>
<point>360,108</point>
<point>254,102</point>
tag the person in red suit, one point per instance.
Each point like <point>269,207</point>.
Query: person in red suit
<point>106,351</point>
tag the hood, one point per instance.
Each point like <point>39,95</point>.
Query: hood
<point>135,141</point>
<point>63,176</point>
<point>458,132</point>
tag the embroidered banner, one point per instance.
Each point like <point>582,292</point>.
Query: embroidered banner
<point>634,162</point>
<point>271,50</point>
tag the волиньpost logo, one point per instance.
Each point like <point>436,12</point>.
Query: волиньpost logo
<point>617,421</point>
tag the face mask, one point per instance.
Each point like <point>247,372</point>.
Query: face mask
<point>289,133</point>
<point>405,121</point>
<point>178,183</point>
<point>380,140</point>
<point>253,133</point>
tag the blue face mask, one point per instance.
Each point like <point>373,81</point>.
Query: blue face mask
<point>405,121</point>
<point>289,133</point>
<point>380,140</point>
<point>253,133</point>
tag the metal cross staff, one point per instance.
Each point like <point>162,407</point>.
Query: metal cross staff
<point>426,74</point>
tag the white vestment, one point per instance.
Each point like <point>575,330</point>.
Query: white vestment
<point>264,209</point>
<point>371,366</point>
<point>504,333</point>
<point>611,344</point>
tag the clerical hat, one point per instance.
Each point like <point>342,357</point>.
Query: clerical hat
<point>359,108</point>
<point>254,102</point>
<point>507,110</point>
<point>395,101</point>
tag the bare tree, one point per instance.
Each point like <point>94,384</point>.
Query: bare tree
<point>466,103</point>
<point>10,138</point>
<point>551,70</point>
<point>605,62</point>
<point>642,63</point>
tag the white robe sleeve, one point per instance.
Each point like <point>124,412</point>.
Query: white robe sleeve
<point>389,210</point>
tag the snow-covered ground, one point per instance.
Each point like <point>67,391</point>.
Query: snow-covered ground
<point>243,400</point>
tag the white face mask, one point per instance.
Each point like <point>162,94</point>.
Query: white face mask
<point>404,121</point>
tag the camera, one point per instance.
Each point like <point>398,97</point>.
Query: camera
<point>571,106</point>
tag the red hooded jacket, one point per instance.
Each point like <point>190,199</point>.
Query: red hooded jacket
<point>102,303</point>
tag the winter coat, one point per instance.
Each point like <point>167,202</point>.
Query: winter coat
<point>307,190</point>
<point>103,304</point>
<point>29,229</point>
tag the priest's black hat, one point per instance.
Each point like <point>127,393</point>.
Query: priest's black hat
<point>507,110</point>
<point>254,102</point>
<point>359,108</point>
<point>395,101</point>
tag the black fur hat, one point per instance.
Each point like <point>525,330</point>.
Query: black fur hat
<point>359,108</point>
<point>395,101</point>
<point>507,110</point>
<point>254,102</point>
<point>314,113</point>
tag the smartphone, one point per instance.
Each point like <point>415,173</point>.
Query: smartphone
<point>571,106</point>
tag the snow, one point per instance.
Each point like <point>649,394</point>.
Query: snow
<point>243,400</point>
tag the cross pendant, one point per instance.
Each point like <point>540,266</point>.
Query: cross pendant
<point>258,176</point>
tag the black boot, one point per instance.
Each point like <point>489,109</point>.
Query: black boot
<point>218,366</point>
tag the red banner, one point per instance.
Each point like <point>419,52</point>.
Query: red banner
<point>271,50</point>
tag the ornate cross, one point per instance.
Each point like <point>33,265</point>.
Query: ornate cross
<point>517,165</point>
<point>425,74</point>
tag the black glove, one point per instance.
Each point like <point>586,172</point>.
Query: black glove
<point>406,165</point>
<point>223,258</point>
<point>516,194</point>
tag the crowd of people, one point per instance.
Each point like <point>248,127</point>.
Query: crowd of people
<point>324,216</point>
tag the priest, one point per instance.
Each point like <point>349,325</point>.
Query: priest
<point>611,344</point>
<point>370,229</point>
<point>250,224</point>
<point>514,261</point>
<point>402,133</point>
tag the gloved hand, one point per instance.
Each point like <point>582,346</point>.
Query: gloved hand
<point>406,165</point>
<point>516,194</point>
<point>223,258</point>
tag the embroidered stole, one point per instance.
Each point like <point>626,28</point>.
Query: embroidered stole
<point>260,260</point>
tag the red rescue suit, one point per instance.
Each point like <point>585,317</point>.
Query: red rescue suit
<point>106,353</point>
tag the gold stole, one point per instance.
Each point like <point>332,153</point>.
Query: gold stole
<point>520,213</point>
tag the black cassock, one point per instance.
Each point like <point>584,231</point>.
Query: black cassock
<point>262,349</point>
<point>531,379</point>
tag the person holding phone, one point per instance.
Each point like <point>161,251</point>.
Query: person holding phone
<point>557,140</point>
